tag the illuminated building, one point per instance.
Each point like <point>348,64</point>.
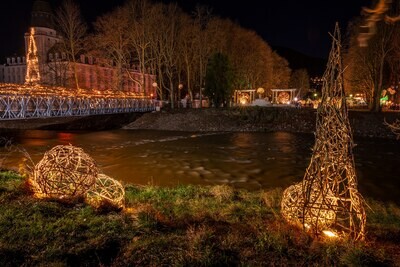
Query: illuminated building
<point>54,69</point>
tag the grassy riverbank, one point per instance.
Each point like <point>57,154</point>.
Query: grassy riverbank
<point>180,226</point>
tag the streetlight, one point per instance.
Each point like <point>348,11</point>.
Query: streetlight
<point>180,87</point>
<point>154,84</point>
<point>260,91</point>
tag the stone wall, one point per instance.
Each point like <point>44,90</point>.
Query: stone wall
<point>259,119</point>
<point>265,119</point>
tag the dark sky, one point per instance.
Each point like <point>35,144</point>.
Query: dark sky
<point>299,25</point>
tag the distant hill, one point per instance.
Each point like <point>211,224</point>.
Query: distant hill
<point>297,60</point>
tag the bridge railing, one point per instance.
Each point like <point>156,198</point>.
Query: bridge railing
<point>23,107</point>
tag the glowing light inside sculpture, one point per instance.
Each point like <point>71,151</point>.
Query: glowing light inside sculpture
<point>244,99</point>
<point>66,172</point>
<point>283,98</point>
<point>32,61</point>
<point>106,191</point>
<point>329,233</point>
<point>327,200</point>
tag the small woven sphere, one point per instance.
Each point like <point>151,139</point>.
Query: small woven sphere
<point>65,172</point>
<point>106,191</point>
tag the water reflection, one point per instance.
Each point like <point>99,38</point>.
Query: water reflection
<point>247,160</point>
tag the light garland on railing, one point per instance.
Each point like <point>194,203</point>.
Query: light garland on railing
<point>43,90</point>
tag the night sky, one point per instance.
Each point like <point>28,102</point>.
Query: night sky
<point>299,25</point>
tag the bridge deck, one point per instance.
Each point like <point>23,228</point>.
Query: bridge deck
<point>26,106</point>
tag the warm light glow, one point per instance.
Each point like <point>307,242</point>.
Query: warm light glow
<point>64,172</point>
<point>329,233</point>
<point>328,198</point>
<point>260,90</point>
<point>32,61</point>
<point>296,99</point>
<point>41,90</point>
<point>243,100</point>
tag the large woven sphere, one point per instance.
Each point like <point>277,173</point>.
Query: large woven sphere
<point>106,191</point>
<point>65,172</point>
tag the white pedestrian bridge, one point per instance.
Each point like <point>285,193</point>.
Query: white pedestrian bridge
<point>24,102</point>
<point>26,106</point>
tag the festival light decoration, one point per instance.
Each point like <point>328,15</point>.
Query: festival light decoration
<point>260,91</point>
<point>327,200</point>
<point>45,90</point>
<point>32,61</point>
<point>283,98</point>
<point>65,172</point>
<point>106,191</point>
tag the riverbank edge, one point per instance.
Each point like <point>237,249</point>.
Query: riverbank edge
<point>259,119</point>
<point>238,119</point>
<point>179,226</point>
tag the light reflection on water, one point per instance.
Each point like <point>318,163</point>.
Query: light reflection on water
<point>246,160</point>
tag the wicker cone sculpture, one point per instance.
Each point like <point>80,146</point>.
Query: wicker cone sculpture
<point>107,192</point>
<point>65,172</point>
<point>327,200</point>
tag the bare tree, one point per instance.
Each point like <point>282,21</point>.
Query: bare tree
<point>72,30</point>
<point>367,63</point>
<point>202,17</point>
<point>138,33</point>
<point>280,72</point>
<point>301,81</point>
<point>57,66</point>
<point>112,42</point>
<point>164,47</point>
<point>188,45</point>
<point>249,54</point>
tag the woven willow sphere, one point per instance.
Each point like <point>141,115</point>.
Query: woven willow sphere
<point>290,205</point>
<point>65,172</point>
<point>320,213</point>
<point>106,191</point>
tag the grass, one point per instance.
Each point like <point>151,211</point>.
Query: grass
<point>180,226</point>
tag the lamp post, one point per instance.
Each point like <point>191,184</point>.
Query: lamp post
<point>260,91</point>
<point>180,87</point>
<point>201,96</point>
<point>154,84</point>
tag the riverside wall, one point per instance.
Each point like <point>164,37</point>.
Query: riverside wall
<point>248,119</point>
<point>260,119</point>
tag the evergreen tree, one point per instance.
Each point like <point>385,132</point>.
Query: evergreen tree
<point>219,77</point>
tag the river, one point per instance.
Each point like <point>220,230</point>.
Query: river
<point>244,160</point>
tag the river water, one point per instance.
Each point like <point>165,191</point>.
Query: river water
<point>244,160</point>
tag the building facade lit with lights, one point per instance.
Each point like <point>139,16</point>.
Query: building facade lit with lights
<point>54,69</point>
